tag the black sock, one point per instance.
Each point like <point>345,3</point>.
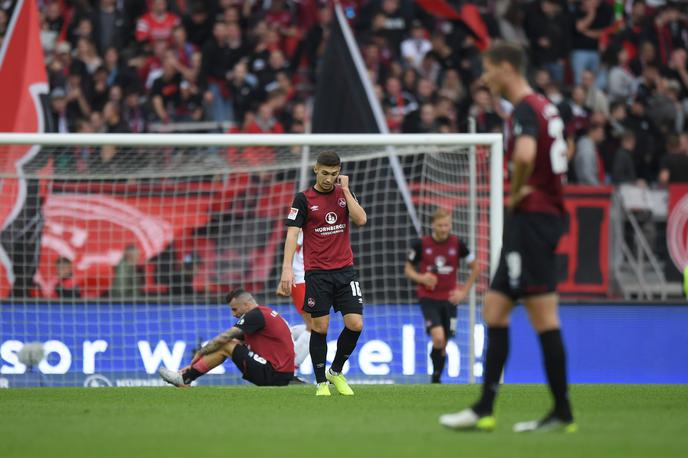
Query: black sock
<point>346,343</point>
<point>318,349</point>
<point>191,375</point>
<point>438,359</point>
<point>554,356</point>
<point>497,352</point>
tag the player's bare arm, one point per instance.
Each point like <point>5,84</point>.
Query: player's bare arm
<point>287,278</point>
<point>459,294</point>
<point>356,212</point>
<point>525,150</point>
<point>219,341</point>
<point>427,279</point>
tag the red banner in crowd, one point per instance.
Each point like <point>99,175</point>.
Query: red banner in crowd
<point>469,15</point>
<point>677,225</point>
<point>583,252</point>
<point>92,230</point>
<point>22,81</point>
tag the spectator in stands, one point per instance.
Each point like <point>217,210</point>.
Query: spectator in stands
<point>313,44</point>
<point>109,26</point>
<point>264,122</point>
<point>586,161</point>
<point>547,27</point>
<point>664,107</point>
<point>243,91</point>
<point>218,58</point>
<point>166,90</point>
<point>113,120</point>
<point>482,110</point>
<point>674,165</point>
<point>58,105</point>
<point>133,111</point>
<point>198,24</point>
<point>78,105</point>
<point>624,163</point>
<point>100,94</point>
<point>127,280</point>
<point>645,56</point>
<point>421,121</point>
<point>595,99</point>
<point>156,24</point>
<point>395,23</point>
<point>511,23</point>
<point>414,48</point>
<point>66,287</point>
<point>620,82</point>
<point>647,139</point>
<point>190,105</point>
<point>400,102</point>
<point>590,18</point>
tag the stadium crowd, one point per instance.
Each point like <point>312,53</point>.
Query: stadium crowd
<point>617,69</point>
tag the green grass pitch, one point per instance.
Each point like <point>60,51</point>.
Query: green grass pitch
<point>379,421</point>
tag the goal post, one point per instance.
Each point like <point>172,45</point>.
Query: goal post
<point>117,249</point>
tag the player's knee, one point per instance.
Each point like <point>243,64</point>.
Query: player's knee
<point>354,322</point>
<point>439,342</point>
<point>228,348</point>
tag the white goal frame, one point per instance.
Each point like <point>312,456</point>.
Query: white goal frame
<point>493,141</point>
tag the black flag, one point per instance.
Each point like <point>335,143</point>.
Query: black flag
<point>341,102</point>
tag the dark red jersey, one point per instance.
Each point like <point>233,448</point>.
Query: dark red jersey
<point>324,219</point>
<point>267,334</point>
<point>440,258</point>
<point>538,117</point>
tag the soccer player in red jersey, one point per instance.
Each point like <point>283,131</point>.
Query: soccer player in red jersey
<point>259,343</point>
<point>323,213</point>
<point>433,263</point>
<point>534,222</point>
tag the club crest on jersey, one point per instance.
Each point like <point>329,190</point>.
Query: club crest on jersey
<point>331,218</point>
<point>292,213</point>
<point>342,202</point>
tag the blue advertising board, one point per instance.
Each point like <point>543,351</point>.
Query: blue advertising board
<point>124,345</point>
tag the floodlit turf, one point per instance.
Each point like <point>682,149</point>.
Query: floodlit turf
<point>379,421</point>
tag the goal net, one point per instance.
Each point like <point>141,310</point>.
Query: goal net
<point>116,251</point>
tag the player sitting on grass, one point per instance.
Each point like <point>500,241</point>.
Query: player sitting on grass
<point>259,343</point>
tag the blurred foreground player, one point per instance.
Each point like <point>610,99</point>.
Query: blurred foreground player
<point>260,345</point>
<point>536,150</point>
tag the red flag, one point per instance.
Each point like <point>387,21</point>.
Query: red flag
<point>469,15</point>
<point>22,81</point>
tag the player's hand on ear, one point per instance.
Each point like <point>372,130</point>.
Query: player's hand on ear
<point>343,181</point>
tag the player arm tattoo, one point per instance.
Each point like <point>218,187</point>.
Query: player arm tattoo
<point>220,340</point>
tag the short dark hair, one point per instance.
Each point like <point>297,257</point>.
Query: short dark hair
<point>233,294</point>
<point>329,159</point>
<point>509,53</point>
